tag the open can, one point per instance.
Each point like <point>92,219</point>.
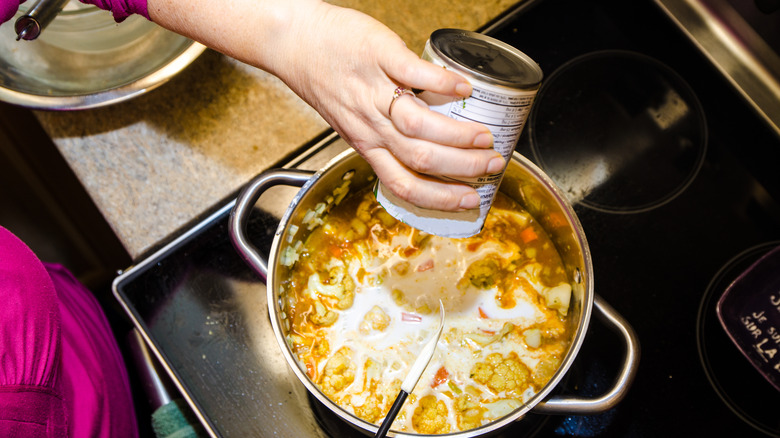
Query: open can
<point>504,82</point>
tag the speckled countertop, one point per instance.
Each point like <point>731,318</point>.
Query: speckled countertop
<point>155,163</point>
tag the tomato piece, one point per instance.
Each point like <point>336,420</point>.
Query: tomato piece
<point>425,266</point>
<point>441,376</point>
<point>410,317</point>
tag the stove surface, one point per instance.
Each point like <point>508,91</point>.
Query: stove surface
<point>672,176</point>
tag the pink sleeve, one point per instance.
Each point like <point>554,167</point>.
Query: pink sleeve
<point>31,402</point>
<point>61,370</point>
<point>120,8</point>
<point>95,383</point>
<point>8,9</point>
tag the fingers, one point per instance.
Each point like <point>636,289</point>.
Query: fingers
<point>439,160</point>
<point>407,68</point>
<point>413,119</point>
<point>422,191</point>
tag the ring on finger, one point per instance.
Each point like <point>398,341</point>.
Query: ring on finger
<point>398,92</point>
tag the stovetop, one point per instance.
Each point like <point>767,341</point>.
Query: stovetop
<point>672,176</point>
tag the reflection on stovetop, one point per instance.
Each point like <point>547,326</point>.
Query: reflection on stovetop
<point>661,266</point>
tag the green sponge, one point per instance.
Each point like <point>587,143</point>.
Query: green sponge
<point>176,420</point>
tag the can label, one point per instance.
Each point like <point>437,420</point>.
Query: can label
<point>504,111</point>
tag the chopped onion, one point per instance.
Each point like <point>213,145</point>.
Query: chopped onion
<point>291,233</point>
<point>484,340</point>
<point>502,408</point>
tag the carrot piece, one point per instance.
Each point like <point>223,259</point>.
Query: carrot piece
<point>528,235</point>
<point>482,313</point>
<point>335,251</point>
<point>557,220</point>
<point>310,370</point>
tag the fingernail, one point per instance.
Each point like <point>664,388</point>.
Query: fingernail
<point>496,165</point>
<point>469,201</point>
<point>463,89</point>
<point>483,140</point>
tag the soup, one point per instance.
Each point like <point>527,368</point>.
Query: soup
<point>362,297</point>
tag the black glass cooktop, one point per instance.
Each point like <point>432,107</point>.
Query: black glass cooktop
<point>672,176</point>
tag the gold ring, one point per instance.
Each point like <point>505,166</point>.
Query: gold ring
<point>400,91</point>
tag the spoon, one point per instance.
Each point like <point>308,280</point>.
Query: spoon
<point>412,377</point>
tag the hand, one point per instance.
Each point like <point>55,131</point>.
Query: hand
<point>348,70</point>
<point>346,65</point>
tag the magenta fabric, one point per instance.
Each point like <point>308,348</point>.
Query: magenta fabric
<point>61,371</point>
<point>31,403</point>
<point>121,8</point>
<point>8,8</point>
<point>95,383</point>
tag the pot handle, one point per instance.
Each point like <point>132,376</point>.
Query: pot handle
<point>563,404</point>
<point>246,200</point>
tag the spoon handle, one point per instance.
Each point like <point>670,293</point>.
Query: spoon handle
<point>390,417</point>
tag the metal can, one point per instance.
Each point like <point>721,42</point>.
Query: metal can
<point>504,82</point>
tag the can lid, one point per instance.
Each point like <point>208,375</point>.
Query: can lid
<point>487,58</point>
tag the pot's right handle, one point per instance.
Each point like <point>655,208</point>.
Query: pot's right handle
<point>247,199</point>
<point>563,404</point>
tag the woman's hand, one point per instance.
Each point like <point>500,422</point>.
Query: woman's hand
<point>346,65</point>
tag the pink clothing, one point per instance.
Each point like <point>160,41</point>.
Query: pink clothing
<point>120,8</point>
<point>8,9</point>
<point>61,371</point>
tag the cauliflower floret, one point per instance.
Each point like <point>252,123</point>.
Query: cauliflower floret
<point>370,410</point>
<point>500,373</point>
<point>430,416</point>
<point>379,399</point>
<point>544,370</point>
<point>339,373</point>
<point>338,285</point>
<point>482,273</point>
<point>320,347</point>
<point>469,412</point>
<point>375,319</point>
<point>322,316</point>
<point>558,297</point>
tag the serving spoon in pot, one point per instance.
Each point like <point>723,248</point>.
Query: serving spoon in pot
<point>412,377</point>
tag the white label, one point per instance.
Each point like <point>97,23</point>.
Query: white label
<point>503,113</point>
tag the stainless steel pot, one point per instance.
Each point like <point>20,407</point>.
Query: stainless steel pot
<point>523,182</point>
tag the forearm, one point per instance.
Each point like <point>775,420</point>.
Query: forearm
<point>258,32</point>
<point>346,65</point>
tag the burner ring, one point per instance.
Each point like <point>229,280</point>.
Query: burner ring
<point>618,131</point>
<point>719,357</point>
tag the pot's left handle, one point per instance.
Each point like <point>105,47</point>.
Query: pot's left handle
<point>246,200</point>
<point>562,404</point>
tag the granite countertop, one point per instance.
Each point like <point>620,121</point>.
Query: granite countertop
<point>155,163</point>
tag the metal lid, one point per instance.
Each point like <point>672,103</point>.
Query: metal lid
<point>487,58</point>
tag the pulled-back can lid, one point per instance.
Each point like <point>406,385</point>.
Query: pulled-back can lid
<point>487,58</point>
